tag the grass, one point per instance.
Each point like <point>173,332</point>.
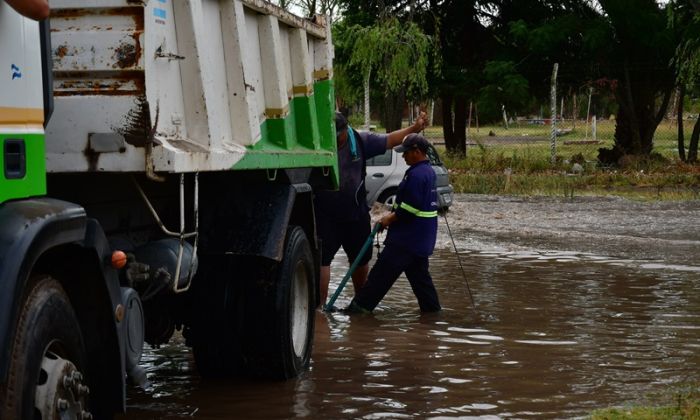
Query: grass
<point>518,162</point>
<point>682,404</point>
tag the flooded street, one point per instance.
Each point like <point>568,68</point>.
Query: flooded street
<point>580,304</point>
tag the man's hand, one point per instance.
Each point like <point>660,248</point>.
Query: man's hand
<point>420,123</point>
<point>396,137</point>
<point>387,220</point>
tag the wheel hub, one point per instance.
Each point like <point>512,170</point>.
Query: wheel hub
<point>300,308</point>
<point>60,393</point>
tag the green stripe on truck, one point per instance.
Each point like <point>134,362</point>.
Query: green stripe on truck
<point>34,181</point>
<point>298,140</point>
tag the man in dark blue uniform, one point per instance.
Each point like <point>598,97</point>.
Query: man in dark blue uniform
<point>342,217</point>
<point>412,229</point>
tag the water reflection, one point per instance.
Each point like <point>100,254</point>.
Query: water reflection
<point>556,335</point>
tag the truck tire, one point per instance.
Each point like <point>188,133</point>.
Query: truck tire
<point>214,335</point>
<point>279,312</point>
<point>45,377</point>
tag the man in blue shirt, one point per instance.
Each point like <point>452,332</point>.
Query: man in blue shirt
<point>412,229</point>
<point>342,217</point>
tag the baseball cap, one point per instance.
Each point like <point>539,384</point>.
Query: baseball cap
<point>341,123</point>
<point>413,141</point>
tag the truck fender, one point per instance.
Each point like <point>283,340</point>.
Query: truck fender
<point>28,229</point>
<point>47,232</point>
<point>258,225</point>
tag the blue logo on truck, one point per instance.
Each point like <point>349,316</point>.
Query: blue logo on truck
<point>160,15</point>
<point>16,74</point>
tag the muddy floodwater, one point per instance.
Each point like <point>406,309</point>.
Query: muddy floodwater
<point>580,304</point>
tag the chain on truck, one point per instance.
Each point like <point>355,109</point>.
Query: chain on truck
<point>184,139</point>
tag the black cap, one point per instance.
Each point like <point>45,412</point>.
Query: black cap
<point>413,141</point>
<point>341,123</point>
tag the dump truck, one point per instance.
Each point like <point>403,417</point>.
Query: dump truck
<point>159,160</point>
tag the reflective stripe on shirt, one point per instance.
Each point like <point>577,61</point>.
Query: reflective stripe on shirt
<point>414,211</point>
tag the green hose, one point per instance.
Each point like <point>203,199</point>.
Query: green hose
<point>353,266</point>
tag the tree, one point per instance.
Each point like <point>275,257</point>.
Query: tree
<point>686,15</point>
<point>626,41</point>
<point>398,55</point>
<point>285,4</point>
<point>638,52</point>
<point>454,63</point>
<point>392,54</point>
<point>505,86</point>
<point>465,45</point>
<point>324,7</point>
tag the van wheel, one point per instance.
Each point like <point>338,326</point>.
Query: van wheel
<point>279,312</point>
<point>45,378</point>
<point>388,197</point>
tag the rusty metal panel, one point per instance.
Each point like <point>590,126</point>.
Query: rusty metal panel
<point>98,51</point>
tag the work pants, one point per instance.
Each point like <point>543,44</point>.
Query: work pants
<point>393,261</point>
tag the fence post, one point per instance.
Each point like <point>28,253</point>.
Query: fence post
<point>432,111</point>
<point>588,110</point>
<point>553,92</point>
<point>594,128</point>
<point>561,110</point>
<point>469,120</point>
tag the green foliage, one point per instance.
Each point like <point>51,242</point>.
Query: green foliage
<point>505,86</point>
<point>682,15</point>
<point>348,82</point>
<point>397,53</point>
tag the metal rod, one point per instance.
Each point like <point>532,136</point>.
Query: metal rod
<point>190,272</point>
<point>155,214</point>
<point>182,235</point>
<point>180,249</point>
<point>459,260</point>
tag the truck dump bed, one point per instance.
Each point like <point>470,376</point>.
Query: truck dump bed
<point>188,86</point>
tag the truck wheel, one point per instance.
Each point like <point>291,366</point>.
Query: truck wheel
<point>47,355</point>
<point>279,312</point>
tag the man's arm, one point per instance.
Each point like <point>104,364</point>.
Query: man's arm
<point>33,9</point>
<point>396,137</point>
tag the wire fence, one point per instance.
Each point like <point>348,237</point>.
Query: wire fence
<point>575,139</point>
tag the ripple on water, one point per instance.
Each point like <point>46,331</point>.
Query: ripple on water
<point>455,381</point>
<point>547,342</point>
<point>486,337</point>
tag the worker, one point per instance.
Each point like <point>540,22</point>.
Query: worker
<point>342,217</point>
<point>410,240</point>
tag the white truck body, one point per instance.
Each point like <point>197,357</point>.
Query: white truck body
<point>182,86</point>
